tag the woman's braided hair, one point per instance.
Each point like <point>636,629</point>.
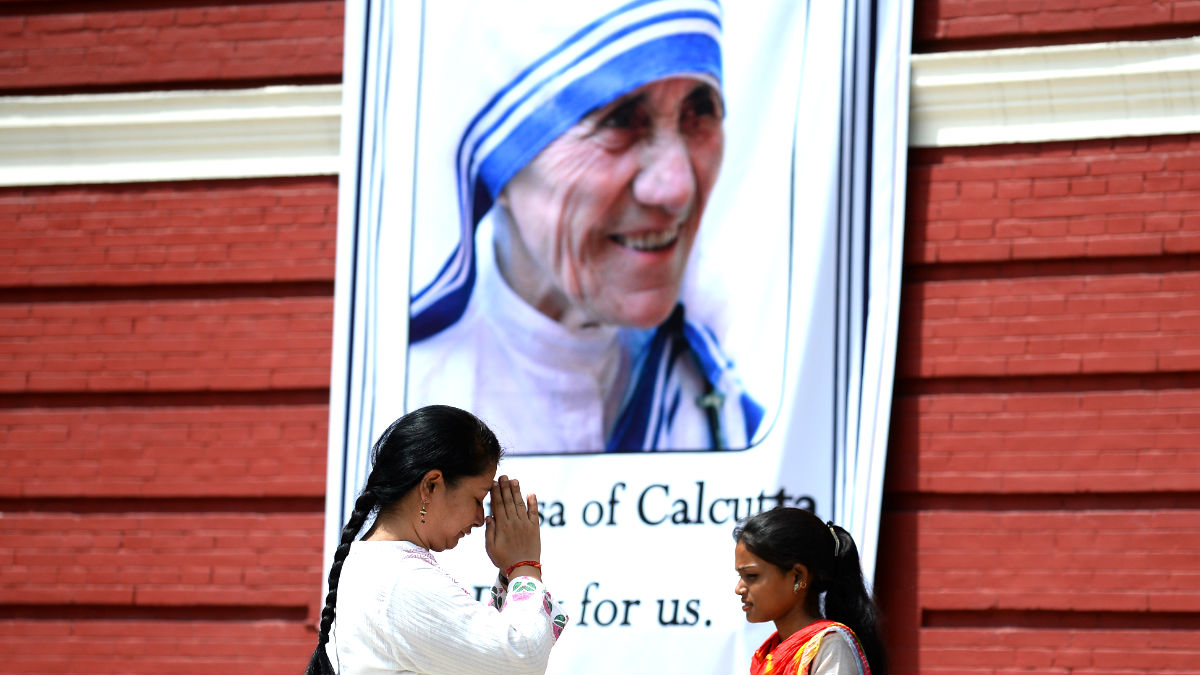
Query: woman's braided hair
<point>437,437</point>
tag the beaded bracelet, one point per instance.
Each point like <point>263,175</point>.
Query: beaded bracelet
<point>531,563</point>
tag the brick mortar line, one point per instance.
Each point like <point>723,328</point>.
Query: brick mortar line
<point>897,502</point>
<point>161,505</point>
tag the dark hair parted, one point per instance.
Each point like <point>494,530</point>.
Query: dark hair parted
<point>788,536</point>
<point>436,437</point>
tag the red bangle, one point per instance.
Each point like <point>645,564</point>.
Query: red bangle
<point>531,563</point>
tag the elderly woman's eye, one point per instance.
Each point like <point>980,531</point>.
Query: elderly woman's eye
<point>702,113</point>
<point>620,126</point>
<point>626,115</point>
<point>703,102</point>
<point>704,106</point>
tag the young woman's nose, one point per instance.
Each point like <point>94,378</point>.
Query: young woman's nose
<point>665,179</point>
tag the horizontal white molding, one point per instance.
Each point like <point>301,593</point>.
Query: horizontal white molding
<point>1103,90</point>
<point>1022,95</point>
<point>170,135</point>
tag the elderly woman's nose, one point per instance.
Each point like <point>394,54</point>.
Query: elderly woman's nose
<point>666,179</point>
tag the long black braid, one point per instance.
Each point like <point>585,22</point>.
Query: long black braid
<point>434,437</point>
<point>320,664</point>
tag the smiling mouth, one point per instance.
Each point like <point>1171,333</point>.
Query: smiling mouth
<point>648,241</point>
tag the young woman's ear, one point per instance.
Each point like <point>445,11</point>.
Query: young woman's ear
<point>800,578</point>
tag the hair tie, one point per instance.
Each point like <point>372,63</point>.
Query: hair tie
<point>837,541</point>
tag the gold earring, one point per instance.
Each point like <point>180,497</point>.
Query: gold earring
<point>423,511</point>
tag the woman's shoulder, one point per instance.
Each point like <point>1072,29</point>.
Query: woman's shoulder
<point>398,573</point>
<point>839,652</point>
<point>390,558</point>
<point>391,550</point>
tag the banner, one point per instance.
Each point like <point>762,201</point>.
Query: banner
<point>655,245</point>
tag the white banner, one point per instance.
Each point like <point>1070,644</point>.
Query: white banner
<point>793,277</point>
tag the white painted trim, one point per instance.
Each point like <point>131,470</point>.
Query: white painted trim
<point>1022,95</point>
<point>170,135</point>
<point>1104,90</point>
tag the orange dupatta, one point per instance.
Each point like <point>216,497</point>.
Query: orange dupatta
<point>794,655</point>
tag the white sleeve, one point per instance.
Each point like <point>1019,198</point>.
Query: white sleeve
<point>443,629</point>
<point>837,656</point>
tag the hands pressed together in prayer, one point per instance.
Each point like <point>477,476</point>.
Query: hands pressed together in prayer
<point>513,537</point>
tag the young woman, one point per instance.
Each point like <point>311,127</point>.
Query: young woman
<point>390,607</point>
<point>786,559</point>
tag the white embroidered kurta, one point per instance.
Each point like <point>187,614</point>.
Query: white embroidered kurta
<point>399,612</point>
<point>544,387</point>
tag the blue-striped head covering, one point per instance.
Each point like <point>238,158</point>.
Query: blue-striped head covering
<point>545,68</point>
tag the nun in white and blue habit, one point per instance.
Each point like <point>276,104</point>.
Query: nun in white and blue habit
<point>475,342</point>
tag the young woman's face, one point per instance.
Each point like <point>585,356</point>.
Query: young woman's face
<point>455,510</point>
<point>604,217</point>
<point>767,592</point>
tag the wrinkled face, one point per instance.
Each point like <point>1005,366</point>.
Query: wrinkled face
<point>605,216</point>
<point>455,510</point>
<point>765,590</point>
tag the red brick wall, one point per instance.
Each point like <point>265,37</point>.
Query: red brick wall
<point>163,414</point>
<point>1040,509</point>
<point>203,232</point>
<point>135,45</point>
<point>947,25</point>
<point>164,365</point>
